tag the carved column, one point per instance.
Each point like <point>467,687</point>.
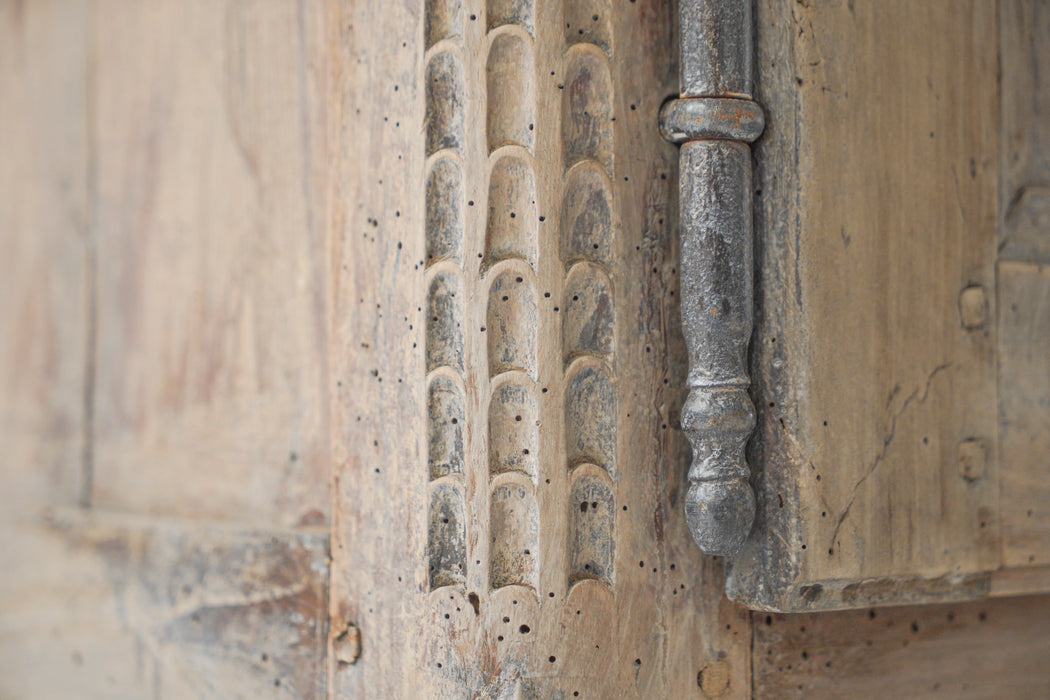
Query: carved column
<point>714,120</point>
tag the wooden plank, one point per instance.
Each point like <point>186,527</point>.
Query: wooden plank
<point>1024,412</point>
<point>990,649</point>
<point>212,301</point>
<point>587,585</point>
<point>379,516</point>
<point>1016,581</point>
<point>1023,286</point>
<point>1024,196</point>
<point>108,606</point>
<point>44,221</point>
<point>873,353</point>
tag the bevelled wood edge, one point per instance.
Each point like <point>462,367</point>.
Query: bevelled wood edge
<point>778,595</point>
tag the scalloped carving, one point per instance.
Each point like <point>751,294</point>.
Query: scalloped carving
<point>511,325</point>
<point>446,537</point>
<point>445,99</point>
<point>444,225</point>
<point>444,20</point>
<point>445,321</point>
<point>512,228</point>
<point>513,431</point>
<point>587,324</point>
<point>587,110</point>
<point>587,225</point>
<point>518,12</point>
<point>591,517</point>
<point>509,73</point>
<point>446,415</point>
<point>590,417</point>
<point>588,21</point>
<point>513,529</point>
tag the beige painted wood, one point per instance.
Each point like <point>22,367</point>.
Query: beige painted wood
<point>1025,156</point>
<point>212,276</point>
<point>875,373</point>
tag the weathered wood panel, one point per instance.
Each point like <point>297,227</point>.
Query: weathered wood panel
<point>44,251</point>
<point>208,191</point>
<point>107,606</point>
<point>1024,286</point>
<point>991,649</point>
<point>1024,405</point>
<point>212,260</point>
<point>1024,196</point>
<point>874,346</point>
<point>115,134</point>
<point>519,276</point>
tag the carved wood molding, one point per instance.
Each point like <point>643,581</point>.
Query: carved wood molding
<point>516,265</point>
<point>715,120</point>
<point>555,369</point>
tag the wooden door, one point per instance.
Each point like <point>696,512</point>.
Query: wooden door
<point>900,347</point>
<point>343,357</point>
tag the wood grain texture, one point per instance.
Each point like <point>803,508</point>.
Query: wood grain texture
<point>875,209</point>
<point>1024,181</point>
<point>378,345</point>
<point>261,212</point>
<point>120,169</point>
<point>563,242</point>
<point>990,649</point>
<point>1024,412</point>
<point>45,259</point>
<point>1024,312</point>
<point>212,250</point>
<point>108,606</point>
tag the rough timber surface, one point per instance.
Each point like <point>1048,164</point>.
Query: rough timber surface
<point>631,610</point>
<point>986,649</point>
<point>874,373</point>
<point>103,604</point>
<point>1024,288</point>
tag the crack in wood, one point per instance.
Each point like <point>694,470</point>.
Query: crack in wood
<point>912,398</point>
